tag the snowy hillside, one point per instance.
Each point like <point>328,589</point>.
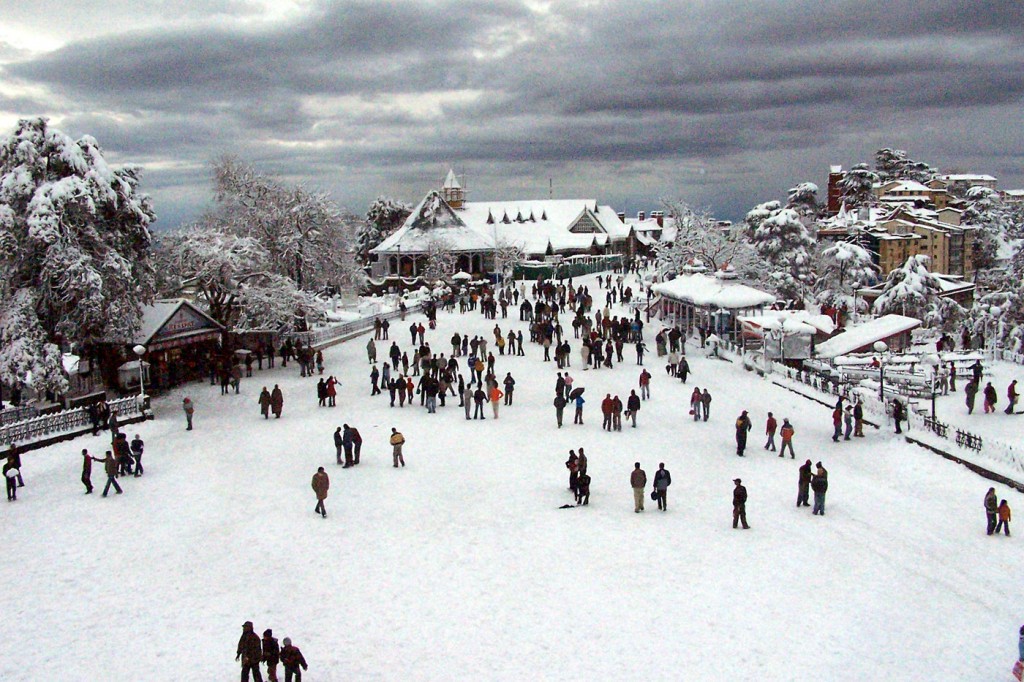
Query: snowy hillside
<point>462,566</point>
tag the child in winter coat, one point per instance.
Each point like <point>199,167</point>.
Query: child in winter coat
<point>291,659</point>
<point>1004,517</point>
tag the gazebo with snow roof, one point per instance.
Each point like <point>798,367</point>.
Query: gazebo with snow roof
<point>714,303</point>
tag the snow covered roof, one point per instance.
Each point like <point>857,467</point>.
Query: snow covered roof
<point>156,317</point>
<point>906,186</point>
<point>864,336</point>
<point>793,321</point>
<point>704,290</point>
<point>533,225</point>
<point>967,177</point>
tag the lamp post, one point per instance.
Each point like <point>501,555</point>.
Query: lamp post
<point>881,348</point>
<point>140,350</point>
<point>934,361</point>
<point>996,311</point>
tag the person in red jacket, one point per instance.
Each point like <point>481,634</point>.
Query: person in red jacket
<point>606,412</point>
<point>837,423</point>
<point>769,429</point>
<point>292,659</point>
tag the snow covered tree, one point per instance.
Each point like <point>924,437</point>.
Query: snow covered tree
<point>998,225</point>
<point>233,278</point>
<point>909,290</point>
<point>440,261</point>
<point>307,237</point>
<point>758,215</point>
<point>785,243</point>
<point>384,216</point>
<point>506,255</point>
<point>894,164</point>
<point>857,186</point>
<point>843,268</point>
<point>700,239</point>
<point>804,200</point>
<point>74,251</point>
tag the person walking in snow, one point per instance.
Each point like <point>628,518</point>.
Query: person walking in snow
<point>1011,396</point>
<point>632,407</point>
<point>264,401</point>
<point>276,401</point>
<point>510,386</point>
<point>695,403</point>
<point>559,409</point>
<point>743,426</point>
<point>847,422</point>
<point>645,385</point>
<point>189,408</point>
<point>606,412</point>
<point>87,461</point>
<point>110,469</point>
<point>397,440</point>
<point>990,398</point>
<point>898,414</point>
<point>991,509</point>
<point>572,464</point>
<point>662,480</point>
<point>837,423</point>
<point>769,429</point>
<point>683,369</point>
<point>496,396</point>
<point>1004,518</point>
<point>339,443</point>
<point>705,401</point>
<point>804,484</point>
<point>271,654</point>
<point>467,398</point>
<point>578,417</point>
<point>583,489</point>
<point>346,445</point>
<point>641,348</point>
<point>250,653</point>
<point>292,659</point>
<point>137,446</point>
<point>321,484</point>
<point>787,432</point>
<point>11,472</point>
<point>739,504</point>
<point>819,484</point>
<point>371,351</point>
<point>479,398</point>
<point>638,481</point>
<point>858,420</point>
<point>970,393</point>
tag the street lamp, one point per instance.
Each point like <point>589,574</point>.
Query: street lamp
<point>934,361</point>
<point>881,348</point>
<point>140,350</point>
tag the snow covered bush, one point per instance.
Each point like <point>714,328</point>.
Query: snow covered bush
<point>784,243</point>
<point>74,251</point>
<point>699,239</point>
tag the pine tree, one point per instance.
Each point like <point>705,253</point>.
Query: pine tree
<point>894,164</point>
<point>384,216</point>
<point>74,251</point>
<point>857,186</point>
<point>909,290</point>
<point>785,243</point>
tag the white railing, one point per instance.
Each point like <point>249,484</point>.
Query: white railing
<point>29,430</point>
<point>320,337</point>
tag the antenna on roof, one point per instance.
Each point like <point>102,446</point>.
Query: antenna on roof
<point>551,191</point>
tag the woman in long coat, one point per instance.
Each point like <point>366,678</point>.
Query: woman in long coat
<point>276,401</point>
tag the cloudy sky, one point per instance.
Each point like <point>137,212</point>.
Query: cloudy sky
<point>723,104</point>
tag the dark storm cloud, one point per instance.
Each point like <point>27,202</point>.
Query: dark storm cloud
<point>333,93</point>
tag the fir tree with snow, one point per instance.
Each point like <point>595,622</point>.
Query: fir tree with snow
<point>894,164</point>
<point>803,199</point>
<point>384,216</point>
<point>74,250</point>
<point>843,268</point>
<point>998,225</point>
<point>784,243</point>
<point>909,290</point>
<point>857,186</point>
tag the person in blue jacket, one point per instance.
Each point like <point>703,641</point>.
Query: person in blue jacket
<point>578,418</point>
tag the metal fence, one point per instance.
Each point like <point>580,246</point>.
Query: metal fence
<point>11,415</point>
<point>322,337</point>
<point>64,421</point>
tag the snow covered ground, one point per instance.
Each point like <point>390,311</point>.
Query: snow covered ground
<point>461,566</point>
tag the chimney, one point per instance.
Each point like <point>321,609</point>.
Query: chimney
<point>622,216</point>
<point>659,216</point>
<point>641,216</point>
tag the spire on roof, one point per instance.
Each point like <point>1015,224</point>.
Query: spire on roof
<point>451,182</point>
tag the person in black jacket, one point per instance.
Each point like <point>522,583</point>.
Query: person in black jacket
<point>804,485</point>
<point>739,504</point>
<point>271,654</point>
<point>510,387</point>
<point>743,426</point>
<point>662,480</point>
<point>897,413</point>
<point>632,407</point>
<point>137,447</point>
<point>250,653</point>
<point>819,484</point>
